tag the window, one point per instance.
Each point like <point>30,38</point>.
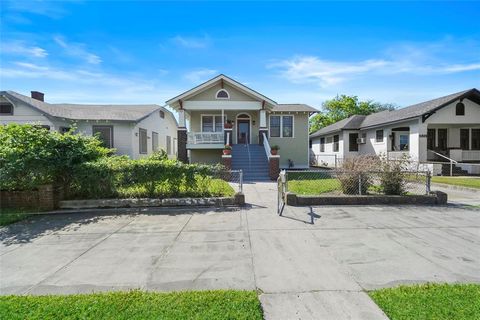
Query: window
<point>460,109</point>
<point>162,114</point>
<point>142,141</point>
<point>281,126</point>
<point>465,139</point>
<point>322,144</point>
<point>404,139</point>
<point>212,124</point>
<point>105,134</point>
<point>287,126</point>
<point>274,126</point>
<point>352,142</point>
<point>431,139</point>
<point>222,94</point>
<point>379,136</point>
<point>475,139</point>
<point>154,141</point>
<point>310,143</point>
<point>169,145</point>
<point>336,144</point>
<point>6,109</point>
<point>175,146</point>
<point>64,130</point>
<point>442,139</point>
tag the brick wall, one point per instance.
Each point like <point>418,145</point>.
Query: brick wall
<point>45,198</point>
<point>274,167</point>
<point>182,145</point>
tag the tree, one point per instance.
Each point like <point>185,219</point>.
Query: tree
<point>343,106</point>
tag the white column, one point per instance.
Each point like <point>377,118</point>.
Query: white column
<point>223,120</point>
<point>263,118</point>
<point>181,118</point>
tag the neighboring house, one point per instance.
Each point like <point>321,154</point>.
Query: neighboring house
<point>429,132</point>
<point>133,130</point>
<point>257,122</point>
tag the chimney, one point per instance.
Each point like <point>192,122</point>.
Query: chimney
<point>37,95</point>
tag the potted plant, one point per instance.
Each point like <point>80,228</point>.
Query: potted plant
<point>228,124</point>
<point>274,150</point>
<point>227,150</point>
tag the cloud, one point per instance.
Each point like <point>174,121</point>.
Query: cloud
<point>199,75</point>
<point>192,42</point>
<point>51,9</point>
<point>404,59</point>
<point>77,50</point>
<point>21,49</point>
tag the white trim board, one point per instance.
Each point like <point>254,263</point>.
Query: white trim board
<point>222,104</point>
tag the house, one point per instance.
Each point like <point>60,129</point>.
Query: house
<point>133,130</point>
<point>432,132</point>
<point>223,111</point>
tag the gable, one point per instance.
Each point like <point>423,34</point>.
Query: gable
<point>210,94</point>
<point>447,114</point>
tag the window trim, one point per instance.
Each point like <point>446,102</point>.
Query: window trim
<point>153,140</point>
<point>281,125</point>
<point>460,103</point>
<point>376,136</point>
<point>211,115</point>
<point>140,141</point>
<point>225,90</point>
<point>11,110</point>
<point>111,133</point>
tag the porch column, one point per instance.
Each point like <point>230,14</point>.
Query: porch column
<point>274,166</point>
<point>182,137</point>
<point>263,126</point>
<point>422,142</point>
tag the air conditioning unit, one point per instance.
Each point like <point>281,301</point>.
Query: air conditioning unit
<point>361,140</point>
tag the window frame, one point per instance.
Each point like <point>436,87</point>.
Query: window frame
<point>406,144</point>
<point>140,130</point>
<point>281,116</point>
<point>155,138</point>
<point>279,126</point>
<point>322,144</point>
<point>376,136</point>
<point>222,98</point>
<point>354,143</point>
<point>213,122</point>
<point>5,103</point>
<point>462,109</point>
<point>336,144</point>
<point>168,144</point>
<point>475,133</point>
<point>111,133</point>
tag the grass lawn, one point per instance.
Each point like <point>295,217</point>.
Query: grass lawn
<point>313,187</point>
<point>9,216</point>
<point>430,301</point>
<point>459,181</point>
<point>211,305</point>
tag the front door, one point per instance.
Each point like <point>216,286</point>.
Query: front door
<point>442,140</point>
<point>243,131</point>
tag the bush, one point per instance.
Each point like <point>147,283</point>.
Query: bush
<point>31,156</point>
<point>120,177</point>
<point>354,169</point>
<point>392,176</point>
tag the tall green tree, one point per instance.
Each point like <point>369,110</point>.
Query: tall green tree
<point>343,106</point>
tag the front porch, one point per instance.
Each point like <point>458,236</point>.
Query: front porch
<point>455,142</point>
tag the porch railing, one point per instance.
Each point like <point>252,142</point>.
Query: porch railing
<point>205,138</point>
<point>452,162</point>
<point>471,155</point>
<point>266,145</point>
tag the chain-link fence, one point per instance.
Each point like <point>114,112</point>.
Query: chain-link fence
<point>342,182</point>
<point>233,177</point>
<point>326,160</point>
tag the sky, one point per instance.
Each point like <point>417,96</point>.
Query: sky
<point>302,52</point>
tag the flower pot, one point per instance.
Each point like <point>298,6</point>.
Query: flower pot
<point>228,125</point>
<point>227,152</point>
<point>274,152</point>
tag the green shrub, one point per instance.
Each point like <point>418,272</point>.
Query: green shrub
<point>31,156</point>
<point>354,169</point>
<point>392,175</point>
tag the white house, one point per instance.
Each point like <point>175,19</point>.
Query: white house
<point>133,130</point>
<point>435,131</point>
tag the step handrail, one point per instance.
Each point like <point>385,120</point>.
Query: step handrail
<point>266,145</point>
<point>449,159</point>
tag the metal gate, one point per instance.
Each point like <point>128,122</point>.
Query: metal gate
<point>281,192</point>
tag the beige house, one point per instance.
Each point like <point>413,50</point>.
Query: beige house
<point>223,111</point>
<point>133,130</point>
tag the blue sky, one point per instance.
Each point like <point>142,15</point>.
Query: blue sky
<point>148,52</point>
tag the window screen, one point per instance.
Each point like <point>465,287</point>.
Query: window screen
<point>287,126</point>
<point>154,141</point>
<point>105,134</point>
<point>274,126</point>
<point>142,137</point>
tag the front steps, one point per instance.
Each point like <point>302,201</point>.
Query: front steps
<point>251,158</point>
<point>456,170</point>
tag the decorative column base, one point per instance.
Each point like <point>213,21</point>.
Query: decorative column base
<point>274,166</point>
<point>182,145</point>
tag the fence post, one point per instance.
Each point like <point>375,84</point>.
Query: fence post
<point>360,184</point>
<point>451,168</point>
<point>241,181</point>
<point>428,181</point>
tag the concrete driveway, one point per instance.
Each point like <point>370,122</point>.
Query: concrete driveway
<point>303,271</point>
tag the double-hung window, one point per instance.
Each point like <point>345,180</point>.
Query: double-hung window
<point>336,143</point>
<point>281,126</point>
<point>105,134</point>
<point>154,141</point>
<point>322,144</point>
<point>142,137</point>
<point>212,123</point>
